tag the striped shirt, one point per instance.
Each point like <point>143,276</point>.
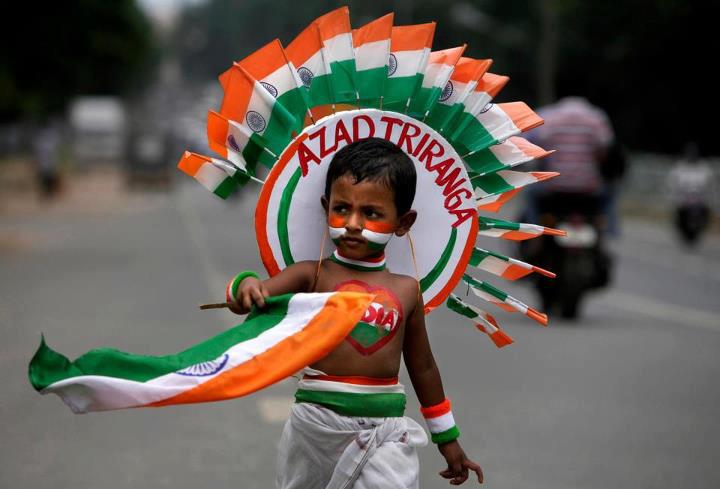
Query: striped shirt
<point>580,133</point>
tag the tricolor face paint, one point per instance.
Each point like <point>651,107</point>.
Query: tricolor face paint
<point>376,234</point>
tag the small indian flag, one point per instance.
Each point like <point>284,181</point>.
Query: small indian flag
<point>483,321</point>
<point>501,299</point>
<point>461,84</point>
<point>437,73</point>
<point>506,181</point>
<point>409,52</point>
<point>504,266</point>
<point>484,92</point>
<point>291,332</point>
<point>237,143</point>
<point>494,124</point>
<point>270,66</point>
<point>249,103</point>
<point>372,51</point>
<point>305,53</point>
<point>514,151</point>
<point>514,231</point>
<point>219,177</point>
<point>337,42</point>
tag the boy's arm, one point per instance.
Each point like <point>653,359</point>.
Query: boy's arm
<point>426,381</point>
<point>295,278</point>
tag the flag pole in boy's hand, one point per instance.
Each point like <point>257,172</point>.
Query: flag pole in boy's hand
<point>218,305</point>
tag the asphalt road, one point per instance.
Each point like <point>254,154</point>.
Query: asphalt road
<point>628,398</point>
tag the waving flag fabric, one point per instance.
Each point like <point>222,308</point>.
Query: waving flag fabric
<point>501,299</point>
<point>269,66</point>
<point>219,177</point>
<point>305,54</point>
<point>372,51</point>
<point>483,321</point>
<point>441,65</point>
<point>409,52</point>
<point>336,36</point>
<point>291,332</point>
<point>484,92</point>
<point>514,231</point>
<point>504,156</point>
<point>504,266</point>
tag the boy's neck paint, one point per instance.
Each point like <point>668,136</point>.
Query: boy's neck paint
<point>367,265</point>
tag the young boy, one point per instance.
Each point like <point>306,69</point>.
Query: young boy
<point>347,427</point>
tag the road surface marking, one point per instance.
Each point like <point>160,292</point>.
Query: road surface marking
<point>664,311</point>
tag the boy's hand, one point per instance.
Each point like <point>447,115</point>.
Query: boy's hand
<point>458,463</point>
<point>251,291</point>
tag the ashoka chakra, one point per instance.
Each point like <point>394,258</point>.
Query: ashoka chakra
<point>306,76</point>
<point>273,91</point>
<point>255,121</point>
<point>203,369</point>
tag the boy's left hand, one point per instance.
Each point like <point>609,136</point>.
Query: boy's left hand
<point>458,463</point>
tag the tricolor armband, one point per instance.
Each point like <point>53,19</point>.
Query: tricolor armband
<point>232,286</point>
<point>440,421</point>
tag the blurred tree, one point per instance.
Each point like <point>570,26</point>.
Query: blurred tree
<point>56,50</point>
<point>636,59</point>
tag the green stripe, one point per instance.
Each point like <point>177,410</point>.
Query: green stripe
<point>441,116</point>
<point>398,91</point>
<point>371,85</point>
<point>484,161</point>
<point>491,223</point>
<point>440,266</point>
<point>226,187</point>
<point>423,101</point>
<point>474,137</point>
<point>320,92</point>
<point>485,287</point>
<point>48,366</point>
<point>454,304</point>
<point>478,255</point>
<point>342,81</point>
<point>296,104</point>
<point>283,213</point>
<point>278,132</point>
<point>253,153</point>
<point>445,436</point>
<point>492,184</point>
<point>384,405</point>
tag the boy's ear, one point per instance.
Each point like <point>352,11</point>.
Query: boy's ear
<point>324,203</point>
<point>406,221</point>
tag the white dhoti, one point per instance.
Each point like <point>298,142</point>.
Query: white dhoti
<point>322,449</point>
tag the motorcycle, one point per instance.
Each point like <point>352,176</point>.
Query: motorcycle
<point>579,259</point>
<point>692,216</point>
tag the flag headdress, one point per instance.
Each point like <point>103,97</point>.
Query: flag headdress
<point>291,108</point>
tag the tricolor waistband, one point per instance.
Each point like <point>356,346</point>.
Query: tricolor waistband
<point>354,395</point>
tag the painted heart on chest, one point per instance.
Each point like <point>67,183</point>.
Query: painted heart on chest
<point>380,321</point>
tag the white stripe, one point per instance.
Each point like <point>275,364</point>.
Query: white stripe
<point>378,238</point>
<point>497,123</point>
<point>210,176</point>
<point>441,423</point>
<point>460,92</point>
<point>315,64</point>
<point>339,48</point>
<point>282,79</point>
<point>437,75</point>
<point>333,386</point>
<point>521,264</point>
<point>485,296</point>
<point>516,304</point>
<point>372,55</point>
<point>360,263</point>
<point>261,102</point>
<point>493,265</point>
<point>228,168</point>
<point>476,101</point>
<point>336,233</point>
<point>509,154</point>
<point>408,63</point>
<point>98,393</point>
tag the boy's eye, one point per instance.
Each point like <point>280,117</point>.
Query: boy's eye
<point>371,214</point>
<point>339,208</point>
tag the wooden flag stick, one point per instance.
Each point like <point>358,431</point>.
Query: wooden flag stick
<point>218,305</point>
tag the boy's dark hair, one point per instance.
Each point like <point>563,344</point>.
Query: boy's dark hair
<point>378,160</point>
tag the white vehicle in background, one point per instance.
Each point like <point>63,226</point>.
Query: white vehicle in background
<point>98,127</point>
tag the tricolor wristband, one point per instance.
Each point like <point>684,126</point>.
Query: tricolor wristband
<point>232,286</point>
<point>440,421</point>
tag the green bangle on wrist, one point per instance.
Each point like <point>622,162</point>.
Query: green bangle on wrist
<point>234,284</point>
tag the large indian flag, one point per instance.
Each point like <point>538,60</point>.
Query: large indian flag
<point>270,66</point>
<point>337,42</point>
<point>409,52</point>
<point>250,104</point>
<point>372,51</point>
<point>291,332</point>
<point>462,83</point>
<point>437,73</point>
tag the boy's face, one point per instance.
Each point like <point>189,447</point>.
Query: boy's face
<point>366,205</point>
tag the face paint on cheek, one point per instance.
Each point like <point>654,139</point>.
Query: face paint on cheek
<point>378,234</point>
<point>336,227</point>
